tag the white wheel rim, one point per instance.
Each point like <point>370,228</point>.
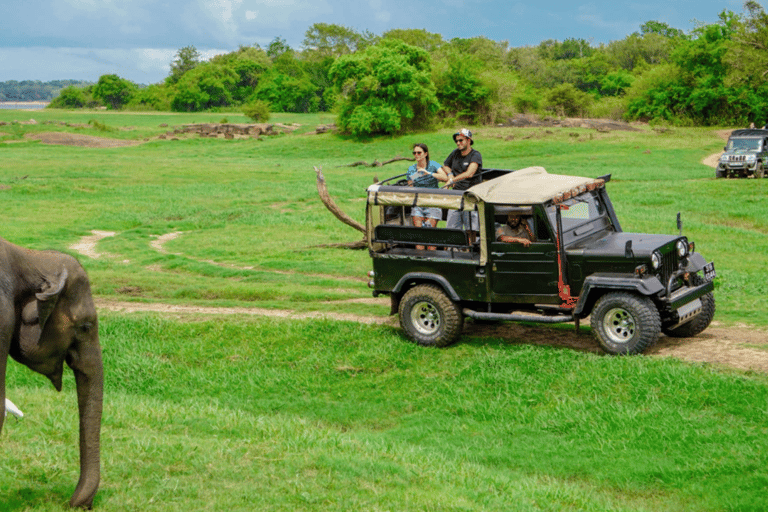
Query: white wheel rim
<point>425,317</point>
<point>619,325</point>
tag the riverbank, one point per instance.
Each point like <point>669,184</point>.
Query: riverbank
<point>23,105</point>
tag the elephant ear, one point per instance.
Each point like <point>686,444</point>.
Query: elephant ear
<point>37,310</point>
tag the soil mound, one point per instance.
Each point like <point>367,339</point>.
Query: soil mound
<point>75,139</point>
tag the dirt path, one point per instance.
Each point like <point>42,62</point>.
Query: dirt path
<point>743,348</point>
<point>713,159</point>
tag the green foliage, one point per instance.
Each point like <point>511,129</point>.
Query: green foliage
<point>113,91</point>
<point>186,59</point>
<point>461,92</point>
<point>746,58</point>
<point>247,65</point>
<point>328,39</point>
<point>566,100</point>
<point>207,85</point>
<point>257,110</point>
<point>695,93</point>
<point>419,38</point>
<point>385,89</point>
<point>153,97</point>
<point>70,97</point>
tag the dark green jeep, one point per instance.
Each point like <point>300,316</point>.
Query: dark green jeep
<point>578,264</point>
<point>746,154</point>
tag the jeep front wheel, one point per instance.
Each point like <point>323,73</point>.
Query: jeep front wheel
<point>429,317</point>
<point>759,170</point>
<point>625,323</point>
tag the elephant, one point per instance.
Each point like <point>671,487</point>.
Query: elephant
<point>47,316</point>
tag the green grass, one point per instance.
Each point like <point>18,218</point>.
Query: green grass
<point>267,414</point>
<point>236,413</point>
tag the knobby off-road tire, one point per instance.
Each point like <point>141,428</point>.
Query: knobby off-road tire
<point>720,173</point>
<point>700,321</point>
<point>759,170</point>
<point>625,323</point>
<point>429,317</point>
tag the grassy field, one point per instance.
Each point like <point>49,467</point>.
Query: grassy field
<point>238,413</point>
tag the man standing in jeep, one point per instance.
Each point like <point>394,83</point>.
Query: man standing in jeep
<point>460,171</point>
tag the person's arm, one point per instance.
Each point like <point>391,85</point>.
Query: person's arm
<point>471,170</point>
<point>514,239</point>
<point>443,173</point>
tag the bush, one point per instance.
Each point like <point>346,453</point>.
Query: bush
<point>257,110</point>
<point>567,100</point>
<point>70,97</point>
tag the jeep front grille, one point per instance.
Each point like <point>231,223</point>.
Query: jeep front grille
<point>669,264</point>
<point>737,158</point>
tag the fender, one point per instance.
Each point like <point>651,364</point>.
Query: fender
<point>695,262</point>
<point>647,285</point>
<point>425,276</point>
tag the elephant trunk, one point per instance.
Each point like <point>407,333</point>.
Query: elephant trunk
<point>89,376</point>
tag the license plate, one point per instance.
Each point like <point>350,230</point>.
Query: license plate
<point>709,271</point>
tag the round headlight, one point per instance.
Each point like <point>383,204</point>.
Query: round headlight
<point>682,248</point>
<point>655,260</point>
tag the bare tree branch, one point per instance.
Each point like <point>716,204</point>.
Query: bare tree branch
<point>322,189</point>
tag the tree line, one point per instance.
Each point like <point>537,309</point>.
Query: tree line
<point>407,79</point>
<point>35,90</point>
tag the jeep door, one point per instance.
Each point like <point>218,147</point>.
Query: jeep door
<point>521,274</point>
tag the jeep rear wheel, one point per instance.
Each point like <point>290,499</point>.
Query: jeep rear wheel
<point>700,321</point>
<point>429,317</point>
<point>624,323</point>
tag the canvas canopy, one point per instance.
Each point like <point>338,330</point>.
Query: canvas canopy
<point>532,185</point>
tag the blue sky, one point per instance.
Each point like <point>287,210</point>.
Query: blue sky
<point>138,39</point>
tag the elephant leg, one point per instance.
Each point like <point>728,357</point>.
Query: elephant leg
<point>89,377</point>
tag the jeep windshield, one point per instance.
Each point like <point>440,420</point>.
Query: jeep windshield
<point>744,144</point>
<point>581,216</point>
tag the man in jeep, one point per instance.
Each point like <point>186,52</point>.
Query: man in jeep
<point>459,171</point>
<point>516,230</point>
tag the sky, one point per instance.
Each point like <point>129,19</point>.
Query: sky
<point>138,39</point>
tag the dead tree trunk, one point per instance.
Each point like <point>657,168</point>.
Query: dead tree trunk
<point>329,203</point>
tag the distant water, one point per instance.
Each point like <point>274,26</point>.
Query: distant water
<point>22,105</point>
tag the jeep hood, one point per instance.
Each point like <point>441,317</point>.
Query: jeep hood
<point>614,244</point>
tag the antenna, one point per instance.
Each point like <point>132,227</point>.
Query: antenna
<point>679,224</point>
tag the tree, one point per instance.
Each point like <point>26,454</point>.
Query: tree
<point>384,89</point>
<point>114,91</point>
<point>186,59</point>
<point>206,86</point>
<point>328,39</point>
<point>277,48</point>
<point>662,29</point>
<point>461,92</point>
<point>419,38</point>
<point>69,97</point>
<point>747,56</point>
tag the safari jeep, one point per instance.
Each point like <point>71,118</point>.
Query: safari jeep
<point>746,154</point>
<point>580,263</point>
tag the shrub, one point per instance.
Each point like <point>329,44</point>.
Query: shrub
<point>258,110</point>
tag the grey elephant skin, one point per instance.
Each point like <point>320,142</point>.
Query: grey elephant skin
<point>47,317</point>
